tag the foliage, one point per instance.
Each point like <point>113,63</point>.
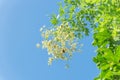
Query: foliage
<point>76,19</point>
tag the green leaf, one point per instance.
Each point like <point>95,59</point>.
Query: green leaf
<point>109,55</point>
<point>61,10</point>
<point>54,20</point>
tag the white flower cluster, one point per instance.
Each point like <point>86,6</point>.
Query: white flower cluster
<point>60,42</point>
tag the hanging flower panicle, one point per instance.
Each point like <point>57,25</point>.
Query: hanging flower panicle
<point>60,42</point>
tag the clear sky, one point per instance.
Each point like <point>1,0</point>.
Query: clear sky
<point>20,21</point>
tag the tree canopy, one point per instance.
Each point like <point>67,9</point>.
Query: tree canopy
<point>75,20</point>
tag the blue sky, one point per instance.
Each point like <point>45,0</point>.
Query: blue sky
<point>20,21</point>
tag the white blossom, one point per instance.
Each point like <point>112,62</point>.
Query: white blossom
<point>44,26</point>
<point>38,45</point>
<point>41,29</point>
<point>58,16</point>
